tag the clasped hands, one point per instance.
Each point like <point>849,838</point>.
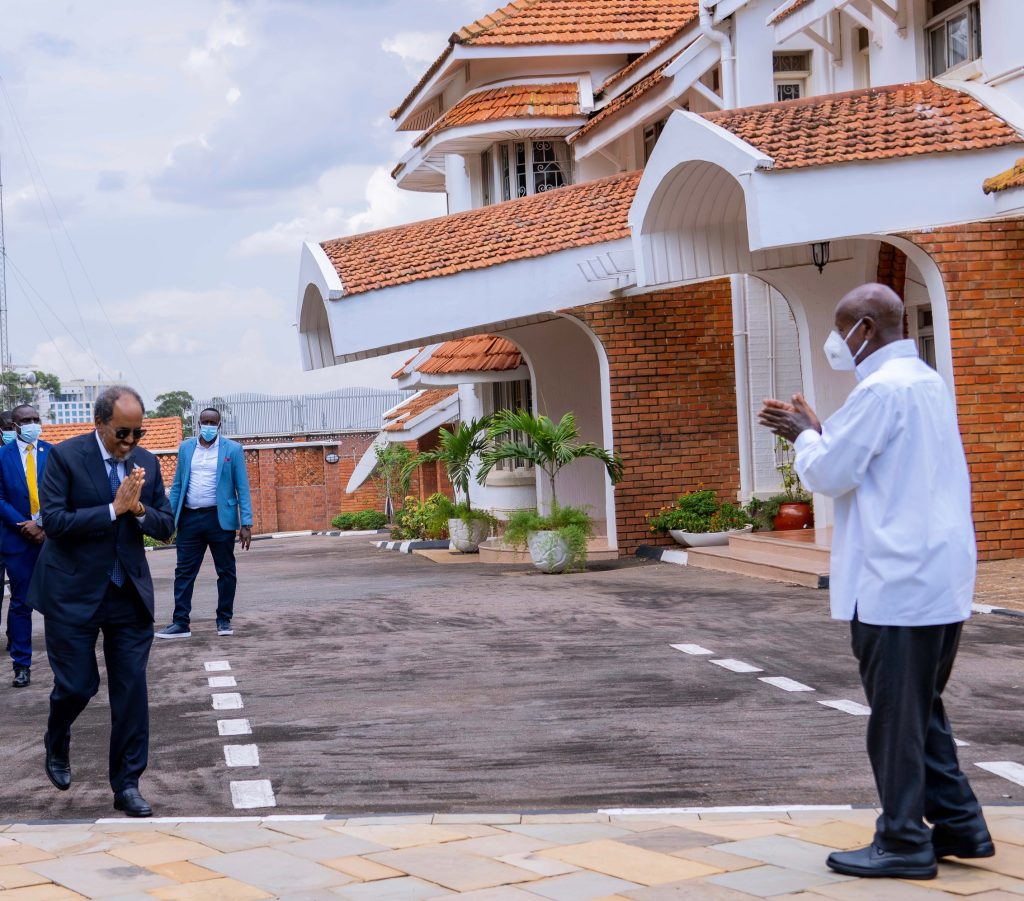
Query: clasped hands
<point>788,420</point>
<point>128,493</point>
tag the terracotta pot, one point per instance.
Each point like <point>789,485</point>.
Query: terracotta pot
<point>793,516</point>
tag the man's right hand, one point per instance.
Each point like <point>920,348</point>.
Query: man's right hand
<point>129,491</point>
<point>31,530</point>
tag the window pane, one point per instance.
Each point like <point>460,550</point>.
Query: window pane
<point>548,169</point>
<point>787,90</point>
<point>487,177</point>
<point>520,153</point>
<point>506,173</point>
<point>937,39</point>
<point>958,40</point>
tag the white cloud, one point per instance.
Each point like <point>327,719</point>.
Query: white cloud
<point>225,34</point>
<point>416,48</point>
<point>65,358</point>
<point>384,205</point>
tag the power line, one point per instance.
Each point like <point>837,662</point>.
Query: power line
<point>23,138</point>
<point>23,284</point>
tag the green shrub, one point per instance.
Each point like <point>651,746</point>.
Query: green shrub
<point>423,521</point>
<point>699,511</point>
<point>360,521</point>
<point>574,526</point>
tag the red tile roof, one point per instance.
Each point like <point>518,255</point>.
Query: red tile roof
<point>624,100</point>
<point>478,353</point>
<point>576,216</point>
<point>524,22</point>
<point>519,101</point>
<point>399,417</point>
<point>784,10</point>
<point>875,124</point>
<point>578,21</point>
<point>163,433</point>
<point>1011,178</point>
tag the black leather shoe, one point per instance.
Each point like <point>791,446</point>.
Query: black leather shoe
<point>58,766</point>
<point>132,803</point>
<point>873,861</point>
<point>965,846</point>
<point>22,676</point>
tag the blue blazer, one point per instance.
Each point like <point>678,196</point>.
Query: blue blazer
<point>14,503</point>
<point>234,505</point>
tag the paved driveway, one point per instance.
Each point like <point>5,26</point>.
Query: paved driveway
<point>381,682</point>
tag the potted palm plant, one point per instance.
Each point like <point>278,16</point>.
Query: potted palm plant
<point>557,541</point>
<point>458,448</point>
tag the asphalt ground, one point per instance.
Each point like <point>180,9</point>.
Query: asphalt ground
<point>379,682</point>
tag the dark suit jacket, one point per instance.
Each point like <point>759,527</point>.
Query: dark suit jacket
<point>14,501</point>
<point>73,570</point>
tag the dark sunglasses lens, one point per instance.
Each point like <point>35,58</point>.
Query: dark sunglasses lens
<point>121,434</point>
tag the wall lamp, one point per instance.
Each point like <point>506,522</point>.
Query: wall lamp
<point>820,252</point>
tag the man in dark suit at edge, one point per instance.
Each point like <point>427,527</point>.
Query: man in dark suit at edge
<point>100,494</point>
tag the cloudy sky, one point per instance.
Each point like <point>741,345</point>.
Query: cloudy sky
<point>162,163</point>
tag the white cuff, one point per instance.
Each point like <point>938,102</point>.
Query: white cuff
<point>113,515</point>
<point>807,436</point>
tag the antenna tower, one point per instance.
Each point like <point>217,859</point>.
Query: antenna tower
<point>5,349</point>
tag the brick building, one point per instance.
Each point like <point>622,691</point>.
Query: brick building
<point>657,205</point>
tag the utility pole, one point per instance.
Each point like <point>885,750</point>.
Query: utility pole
<point>5,349</point>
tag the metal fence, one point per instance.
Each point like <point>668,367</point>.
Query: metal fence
<point>344,410</point>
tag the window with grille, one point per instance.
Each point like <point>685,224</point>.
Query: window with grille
<point>954,33</point>
<point>791,72</point>
<point>512,396</point>
<point>521,168</point>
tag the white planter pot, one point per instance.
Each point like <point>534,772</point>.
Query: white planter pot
<point>467,537</point>
<point>549,552</point>
<point>705,539</point>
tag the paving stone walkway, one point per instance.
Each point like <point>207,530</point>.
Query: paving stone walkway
<point>646,856</point>
<point>1000,583</point>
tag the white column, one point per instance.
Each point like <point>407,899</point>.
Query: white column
<point>458,184</point>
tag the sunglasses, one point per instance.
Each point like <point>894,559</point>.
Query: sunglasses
<point>121,434</point>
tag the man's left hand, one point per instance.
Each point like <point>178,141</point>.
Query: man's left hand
<point>245,537</point>
<point>32,532</point>
<point>788,420</point>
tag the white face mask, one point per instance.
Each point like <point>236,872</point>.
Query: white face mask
<point>840,357</point>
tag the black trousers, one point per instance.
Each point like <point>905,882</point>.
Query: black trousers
<point>71,648</point>
<point>904,670</point>
<point>197,531</point>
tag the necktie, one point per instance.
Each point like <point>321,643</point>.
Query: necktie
<point>30,477</point>
<point>117,573</point>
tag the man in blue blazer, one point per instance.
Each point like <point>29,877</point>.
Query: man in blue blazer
<point>100,495</point>
<point>22,464</point>
<point>210,499</point>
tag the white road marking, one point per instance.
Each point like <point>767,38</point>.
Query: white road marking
<point>737,666</point>
<point>679,558</point>
<point>851,707</point>
<point>241,755</point>
<point>230,700</point>
<point>252,793</point>
<point>695,649</point>
<point>234,727</point>
<point>665,811</point>
<point>217,666</point>
<point>785,684</point>
<point>982,608</point>
<point>961,744</point>
<point>221,681</point>
<point>1013,772</point>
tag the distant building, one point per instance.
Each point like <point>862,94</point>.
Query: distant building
<point>265,415</point>
<point>75,401</point>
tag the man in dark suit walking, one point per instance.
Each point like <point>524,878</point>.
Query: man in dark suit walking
<point>101,493</point>
<point>22,464</point>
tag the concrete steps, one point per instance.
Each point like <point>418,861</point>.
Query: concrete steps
<point>798,558</point>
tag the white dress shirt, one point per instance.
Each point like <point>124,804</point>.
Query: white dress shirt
<point>23,446</point>
<point>903,551</point>
<point>202,479</point>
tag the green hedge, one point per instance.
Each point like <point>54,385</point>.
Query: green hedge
<point>360,521</point>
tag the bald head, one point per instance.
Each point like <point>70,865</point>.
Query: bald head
<point>873,301</point>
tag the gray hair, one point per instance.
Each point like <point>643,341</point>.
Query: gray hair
<point>103,410</point>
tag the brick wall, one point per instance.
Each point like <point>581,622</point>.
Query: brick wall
<point>295,489</point>
<point>982,266</point>
<point>673,396</point>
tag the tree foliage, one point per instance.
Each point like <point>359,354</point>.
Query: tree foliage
<point>392,463</point>
<point>14,390</point>
<point>457,450</point>
<point>177,404</point>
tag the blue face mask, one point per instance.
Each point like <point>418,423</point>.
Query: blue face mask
<point>209,432</point>
<point>30,431</point>
<point>9,436</point>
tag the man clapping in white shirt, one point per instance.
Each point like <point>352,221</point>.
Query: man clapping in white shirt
<point>902,573</point>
